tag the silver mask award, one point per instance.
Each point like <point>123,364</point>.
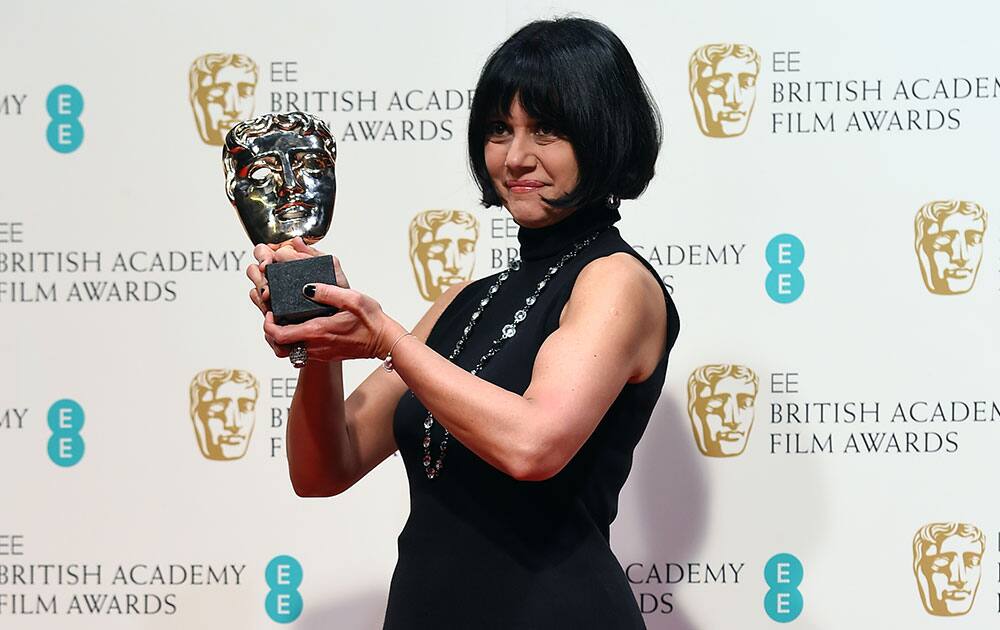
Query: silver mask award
<point>281,178</point>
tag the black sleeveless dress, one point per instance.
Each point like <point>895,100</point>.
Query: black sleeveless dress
<point>481,550</point>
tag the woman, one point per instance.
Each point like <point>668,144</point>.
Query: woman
<point>515,449</point>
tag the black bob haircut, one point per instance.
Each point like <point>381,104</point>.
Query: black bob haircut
<point>576,76</point>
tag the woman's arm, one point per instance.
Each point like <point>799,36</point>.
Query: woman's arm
<point>612,331</point>
<point>332,443</point>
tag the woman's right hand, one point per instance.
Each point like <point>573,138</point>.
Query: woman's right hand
<point>260,295</point>
<point>265,254</point>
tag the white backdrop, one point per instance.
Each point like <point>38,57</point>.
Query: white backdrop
<point>694,531</point>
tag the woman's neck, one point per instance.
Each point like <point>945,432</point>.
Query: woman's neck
<point>547,241</point>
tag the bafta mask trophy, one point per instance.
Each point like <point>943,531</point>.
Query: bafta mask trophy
<point>280,176</point>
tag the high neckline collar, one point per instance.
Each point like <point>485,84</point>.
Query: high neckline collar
<point>543,242</point>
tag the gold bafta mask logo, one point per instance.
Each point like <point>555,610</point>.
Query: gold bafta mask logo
<point>721,399</point>
<point>949,245</point>
<point>442,249</point>
<point>223,410</point>
<point>723,86</point>
<point>222,90</point>
<point>947,562</point>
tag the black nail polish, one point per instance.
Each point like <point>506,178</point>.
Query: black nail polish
<point>309,291</point>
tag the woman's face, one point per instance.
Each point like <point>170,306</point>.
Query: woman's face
<point>527,161</point>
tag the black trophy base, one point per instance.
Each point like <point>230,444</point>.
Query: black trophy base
<point>285,281</point>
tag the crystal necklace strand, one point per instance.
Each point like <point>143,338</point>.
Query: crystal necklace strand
<point>432,468</point>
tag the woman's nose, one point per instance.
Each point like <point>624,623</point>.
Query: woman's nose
<point>520,154</point>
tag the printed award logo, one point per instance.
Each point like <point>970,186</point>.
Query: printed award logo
<point>723,86</point>
<point>947,561</point>
<point>222,88</point>
<point>949,245</point>
<point>223,411</point>
<point>721,399</point>
<point>442,250</point>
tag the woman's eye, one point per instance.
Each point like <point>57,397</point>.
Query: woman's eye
<point>496,128</point>
<point>548,130</point>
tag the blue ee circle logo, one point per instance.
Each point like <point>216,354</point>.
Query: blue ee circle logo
<point>65,420</point>
<point>783,574</point>
<point>64,105</point>
<point>284,602</point>
<point>784,255</point>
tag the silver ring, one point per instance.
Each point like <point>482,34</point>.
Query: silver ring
<point>299,355</point>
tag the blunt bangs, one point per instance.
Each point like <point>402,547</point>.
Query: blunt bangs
<point>577,77</point>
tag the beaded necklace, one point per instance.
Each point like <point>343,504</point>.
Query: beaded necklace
<point>432,467</point>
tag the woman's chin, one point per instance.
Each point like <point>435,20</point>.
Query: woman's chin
<point>536,214</point>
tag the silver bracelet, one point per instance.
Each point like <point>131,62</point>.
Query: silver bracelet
<point>387,364</point>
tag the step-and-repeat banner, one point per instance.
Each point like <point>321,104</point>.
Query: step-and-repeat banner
<point>826,214</point>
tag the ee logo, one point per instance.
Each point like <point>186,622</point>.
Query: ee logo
<point>64,104</point>
<point>65,419</point>
<point>784,255</point>
<point>783,601</point>
<point>284,602</point>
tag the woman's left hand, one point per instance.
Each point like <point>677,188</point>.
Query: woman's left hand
<point>361,330</point>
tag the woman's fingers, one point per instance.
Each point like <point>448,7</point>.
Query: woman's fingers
<point>295,249</point>
<point>338,273</point>
<point>256,275</point>
<point>259,295</point>
<point>287,252</point>
<point>257,298</point>
<point>289,334</point>
<point>280,351</point>
<point>332,295</point>
<point>263,253</point>
<point>318,329</point>
<point>281,338</point>
<point>300,246</point>
<point>349,334</point>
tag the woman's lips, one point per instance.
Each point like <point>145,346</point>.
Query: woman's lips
<point>523,185</point>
